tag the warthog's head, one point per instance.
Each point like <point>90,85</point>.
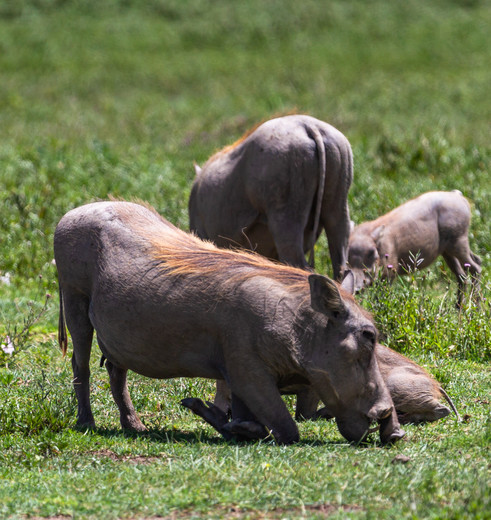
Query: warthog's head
<point>363,256</point>
<point>343,368</point>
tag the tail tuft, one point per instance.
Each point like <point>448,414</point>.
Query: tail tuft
<point>62,334</point>
<point>450,402</point>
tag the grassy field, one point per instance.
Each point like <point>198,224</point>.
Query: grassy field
<point>113,98</point>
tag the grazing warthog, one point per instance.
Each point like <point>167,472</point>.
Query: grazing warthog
<point>435,223</point>
<point>165,304</point>
<point>415,394</point>
<point>275,189</point>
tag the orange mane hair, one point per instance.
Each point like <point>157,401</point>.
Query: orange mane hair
<point>184,254</point>
<point>246,134</point>
<point>236,143</point>
<point>179,253</point>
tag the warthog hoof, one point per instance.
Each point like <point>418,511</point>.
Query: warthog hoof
<point>246,430</point>
<point>234,430</point>
<point>322,413</point>
<point>210,413</point>
<point>133,424</point>
<point>85,425</point>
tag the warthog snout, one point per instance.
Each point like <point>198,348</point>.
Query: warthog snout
<point>363,278</point>
<point>354,430</point>
<point>357,430</point>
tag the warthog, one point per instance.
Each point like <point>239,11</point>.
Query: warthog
<point>166,304</point>
<point>273,189</point>
<point>413,236</point>
<point>415,393</point>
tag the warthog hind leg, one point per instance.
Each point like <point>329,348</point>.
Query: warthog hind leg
<point>463,262</point>
<point>128,417</point>
<point>76,311</point>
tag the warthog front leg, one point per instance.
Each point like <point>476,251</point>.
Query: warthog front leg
<point>237,429</point>
<point>244,424</point>
<point>463,263</point>
<point>246,430</point>
<point>210,413</point>
<point>223,396</point>
<point>261,397</point>
<point>307,402</point>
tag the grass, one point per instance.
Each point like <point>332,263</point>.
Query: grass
<point>116,98</point>
<point>180,464</point>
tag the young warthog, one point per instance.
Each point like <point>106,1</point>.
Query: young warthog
<point>415,394</point>
<point>275,189</point>
<point>435,223</point>
<point>166,304</point>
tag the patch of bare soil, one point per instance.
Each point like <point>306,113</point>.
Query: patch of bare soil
<point>298,513</point>
<point>57,517</point>
<point>278,513</point>
<point>134,459</point>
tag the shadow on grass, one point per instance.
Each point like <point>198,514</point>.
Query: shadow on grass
<point>157,435</point>
<point>171,436</point>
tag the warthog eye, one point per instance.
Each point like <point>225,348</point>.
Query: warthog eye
<point>369,335</point>
<point>370,258</point>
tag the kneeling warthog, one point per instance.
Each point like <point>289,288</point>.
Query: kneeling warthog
<point>275,189</point>
<point>166,304</point>
<point>415,394</point>
<point>413,236</point>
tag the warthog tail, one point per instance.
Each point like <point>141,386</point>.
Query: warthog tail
<point>450,402</point>
<point>319,142</point>
<point>62,334</point>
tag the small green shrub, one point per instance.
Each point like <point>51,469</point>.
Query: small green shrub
<point>17,328</point>
<point>417,314</point>
<point>30,405</point>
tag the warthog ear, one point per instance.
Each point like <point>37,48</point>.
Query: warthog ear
<point>197,169</point>
<point>324,295</point>
<point>348,283</point>
<point>377,233</point>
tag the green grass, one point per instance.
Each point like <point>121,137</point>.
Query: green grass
<point>181,464</point>
<point>119,98</point>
